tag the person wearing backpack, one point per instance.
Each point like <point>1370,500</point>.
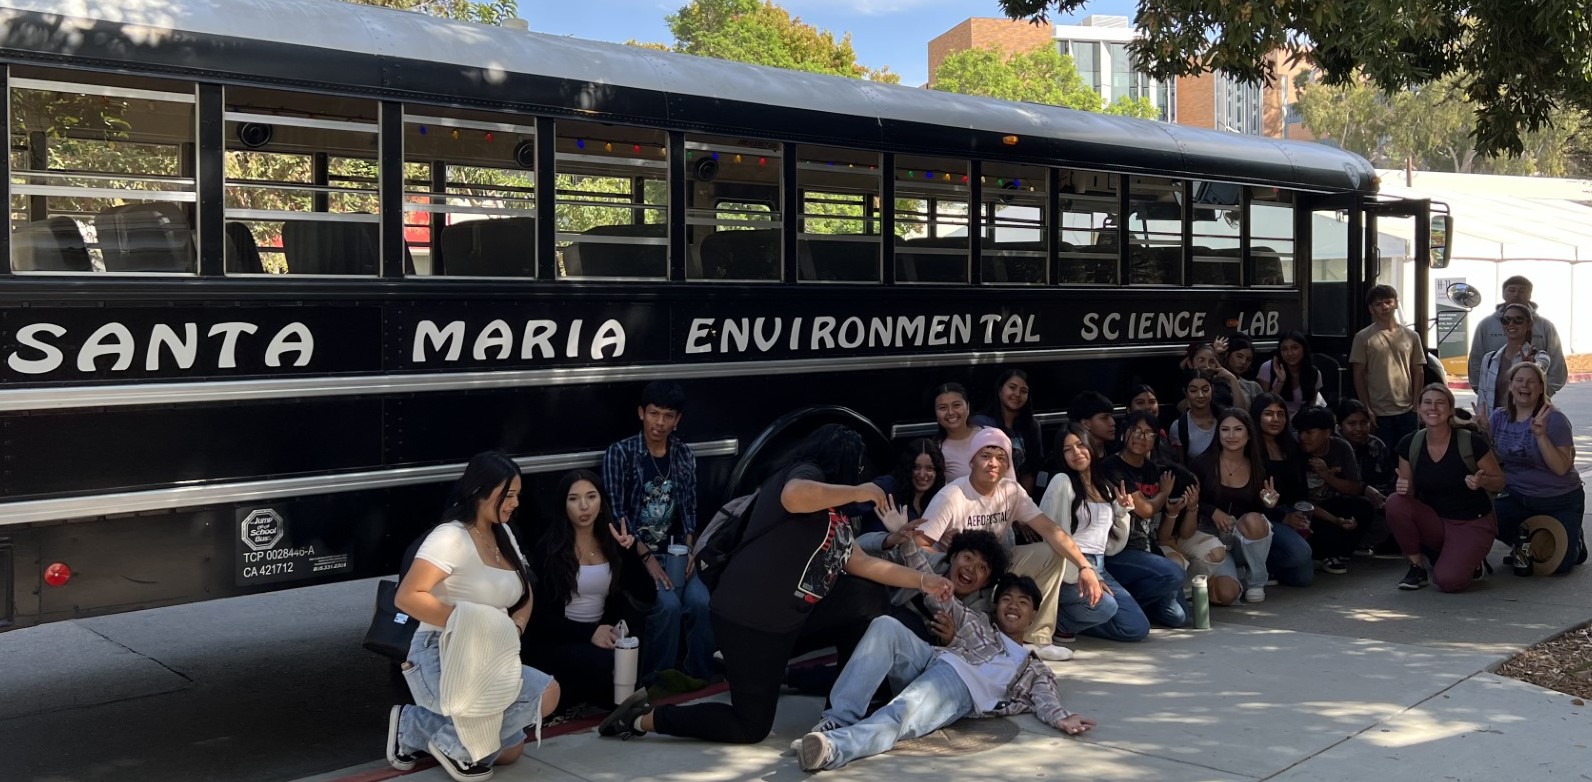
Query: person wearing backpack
<point>1440,508</point>
<point>795,546</point>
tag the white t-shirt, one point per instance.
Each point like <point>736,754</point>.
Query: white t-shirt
<point>958,455</point>
<point>1198,439</point>
<point>989,682</point>
<point>470,580</point>
<point>959,507</point>
<point>1094,526</point>
<point>591,591</point>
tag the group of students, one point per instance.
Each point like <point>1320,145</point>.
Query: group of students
<point>957,575</point>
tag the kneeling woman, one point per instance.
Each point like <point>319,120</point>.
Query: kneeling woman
<point>1439,507</point>
<point>470,588</point>
<point>1537,452</point>
<point>591,579</point>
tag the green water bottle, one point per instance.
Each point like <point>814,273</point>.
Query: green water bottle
<point>1202,603</point>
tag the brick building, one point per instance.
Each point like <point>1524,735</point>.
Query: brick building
<point>1098,47</point>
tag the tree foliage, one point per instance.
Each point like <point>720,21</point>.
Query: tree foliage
<point>486,12</point>
<point>1433,127</point>
<point>1518,63</point>
<point>1040,75</point>
<point>762,33</point>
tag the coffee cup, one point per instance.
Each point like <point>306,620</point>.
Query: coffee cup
<point>627,657</point>
<point>1304,508</point>
<point>675,564</point>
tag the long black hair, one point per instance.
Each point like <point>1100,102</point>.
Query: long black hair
<point>486,473</point>
<point>1285,440</point>
<point>1097,477</point>
<point>835,449</point>
<point>556,550</point>
<point>1305,378</point>
<point>1208,464</point>
<point>902,476</point>
<point>996,409</point>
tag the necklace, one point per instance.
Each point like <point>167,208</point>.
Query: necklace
<point>496,554</point>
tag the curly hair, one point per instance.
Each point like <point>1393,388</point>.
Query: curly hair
<point>983,543</point>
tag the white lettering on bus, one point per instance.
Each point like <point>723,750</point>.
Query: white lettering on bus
<point>450,336</point>
<point>295,337</point>
<point>1144,326</point>
<point>729,336</point>
<point>822,325</point>
<point>495,341</point>
<point>695,341</point>
<point>538,337</point>
<point>495,335</point>
<point>180,341</point>
<point>610,334</point>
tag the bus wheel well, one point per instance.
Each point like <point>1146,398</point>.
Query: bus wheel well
<point>779,438</point>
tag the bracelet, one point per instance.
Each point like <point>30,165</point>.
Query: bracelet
<point>922,580</point>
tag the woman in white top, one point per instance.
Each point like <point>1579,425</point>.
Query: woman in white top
<point>1194,430</point>
<point>1095,513</point>
<point>470,557</point>
<point>1493,390</point>
<point>954,415</point>
<point>591,580</point>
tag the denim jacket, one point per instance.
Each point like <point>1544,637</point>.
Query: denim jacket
<point>978,641</point>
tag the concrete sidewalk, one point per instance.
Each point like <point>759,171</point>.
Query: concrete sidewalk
<point>1350,679</point>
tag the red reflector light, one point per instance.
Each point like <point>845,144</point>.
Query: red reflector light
<point>57,574</point>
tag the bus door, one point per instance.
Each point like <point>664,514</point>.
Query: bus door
<point>1404,240</point>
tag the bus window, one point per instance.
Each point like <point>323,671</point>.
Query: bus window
<point>469,193</point>
<point>611,202</point>
<point>1087,235</point>
<point>1330,306</point>
<point>301,184</point>
<point>733,216</point>
<point>1014,204</point>
<point>1271,235</point>
<point>839,226</point>
<point>931,213</point>
<point>102,173</point>
<point>1155,231</point>
<point>1218,214</point>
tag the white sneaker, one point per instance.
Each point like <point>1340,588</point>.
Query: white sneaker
<point>1255,595</point>
<point>814,752</point>
<point>1050,652</point>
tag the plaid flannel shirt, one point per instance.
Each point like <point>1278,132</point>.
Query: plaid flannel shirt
<point>623,474</point>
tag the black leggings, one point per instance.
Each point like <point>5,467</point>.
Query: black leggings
<point>1331,540</point>
<point>754,668</point>
<point>584,671</point>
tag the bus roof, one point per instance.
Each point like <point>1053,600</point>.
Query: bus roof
<point>344,47</point>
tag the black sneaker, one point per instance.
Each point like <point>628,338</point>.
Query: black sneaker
<point>1335,565</point>
<point>1415,579</point>
<point>396,757</point>
<point>461,772</point>
<point>622,721</point>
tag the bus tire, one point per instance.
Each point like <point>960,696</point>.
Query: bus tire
<point>776,442</point>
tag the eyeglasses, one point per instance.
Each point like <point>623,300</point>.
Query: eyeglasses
<point>1512,320</point>
<point>1142,434</point>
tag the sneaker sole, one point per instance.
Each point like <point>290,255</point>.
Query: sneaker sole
<point>615,724</point>
<point>453,771</point>
<point>392,742</point>
<point>812,752</point>
<point>1411,587</point>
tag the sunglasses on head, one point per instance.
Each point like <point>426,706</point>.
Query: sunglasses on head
<point>1512,320</point>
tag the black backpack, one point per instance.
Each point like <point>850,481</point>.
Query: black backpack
<point>722,538</point>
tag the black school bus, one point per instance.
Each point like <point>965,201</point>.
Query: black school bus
<point>274,271</point>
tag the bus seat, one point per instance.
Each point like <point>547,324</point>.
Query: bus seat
<point>53,245</point>
<point>936,267</point>
<point>502,247</point>
<point>610,259</point>
<point>741,254</point>
<point>1268,266</point>
<point>1020,269</point>
<point>839,260</point>
<point>243,255</point>
<point>325,247</point>
<point>145,237</point>
<point>1146,267</point>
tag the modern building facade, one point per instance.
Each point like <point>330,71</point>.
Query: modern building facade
<point>1098,46</point>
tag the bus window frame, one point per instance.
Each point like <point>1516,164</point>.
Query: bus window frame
<point>882,239</point>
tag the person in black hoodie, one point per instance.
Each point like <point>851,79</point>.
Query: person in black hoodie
<point>591,579</point>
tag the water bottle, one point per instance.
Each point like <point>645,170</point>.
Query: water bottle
<point>1202,603</point>
<point>1522,552</point>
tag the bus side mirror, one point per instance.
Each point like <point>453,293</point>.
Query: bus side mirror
<point>1442,249</point>
<point>1463,294</point>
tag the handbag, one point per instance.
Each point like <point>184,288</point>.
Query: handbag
<point>390,629</point>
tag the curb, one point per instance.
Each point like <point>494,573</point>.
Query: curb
<point>1463,384</point>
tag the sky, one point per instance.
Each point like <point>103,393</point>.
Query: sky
<point>883,32</point>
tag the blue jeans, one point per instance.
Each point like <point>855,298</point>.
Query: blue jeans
<point>889,650</point>
<point>1155,582</point>
<point>662,644</point>
<point>1567,509</point>
<point>421,725</point>
<point>1117,617</point>
<point>936,698</point>
<point>1289,560</point>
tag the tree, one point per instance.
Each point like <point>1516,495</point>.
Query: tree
<point>1517,63</point>
<point>487,12</point>
<point>1040,75</point>
<point>761,33</point>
